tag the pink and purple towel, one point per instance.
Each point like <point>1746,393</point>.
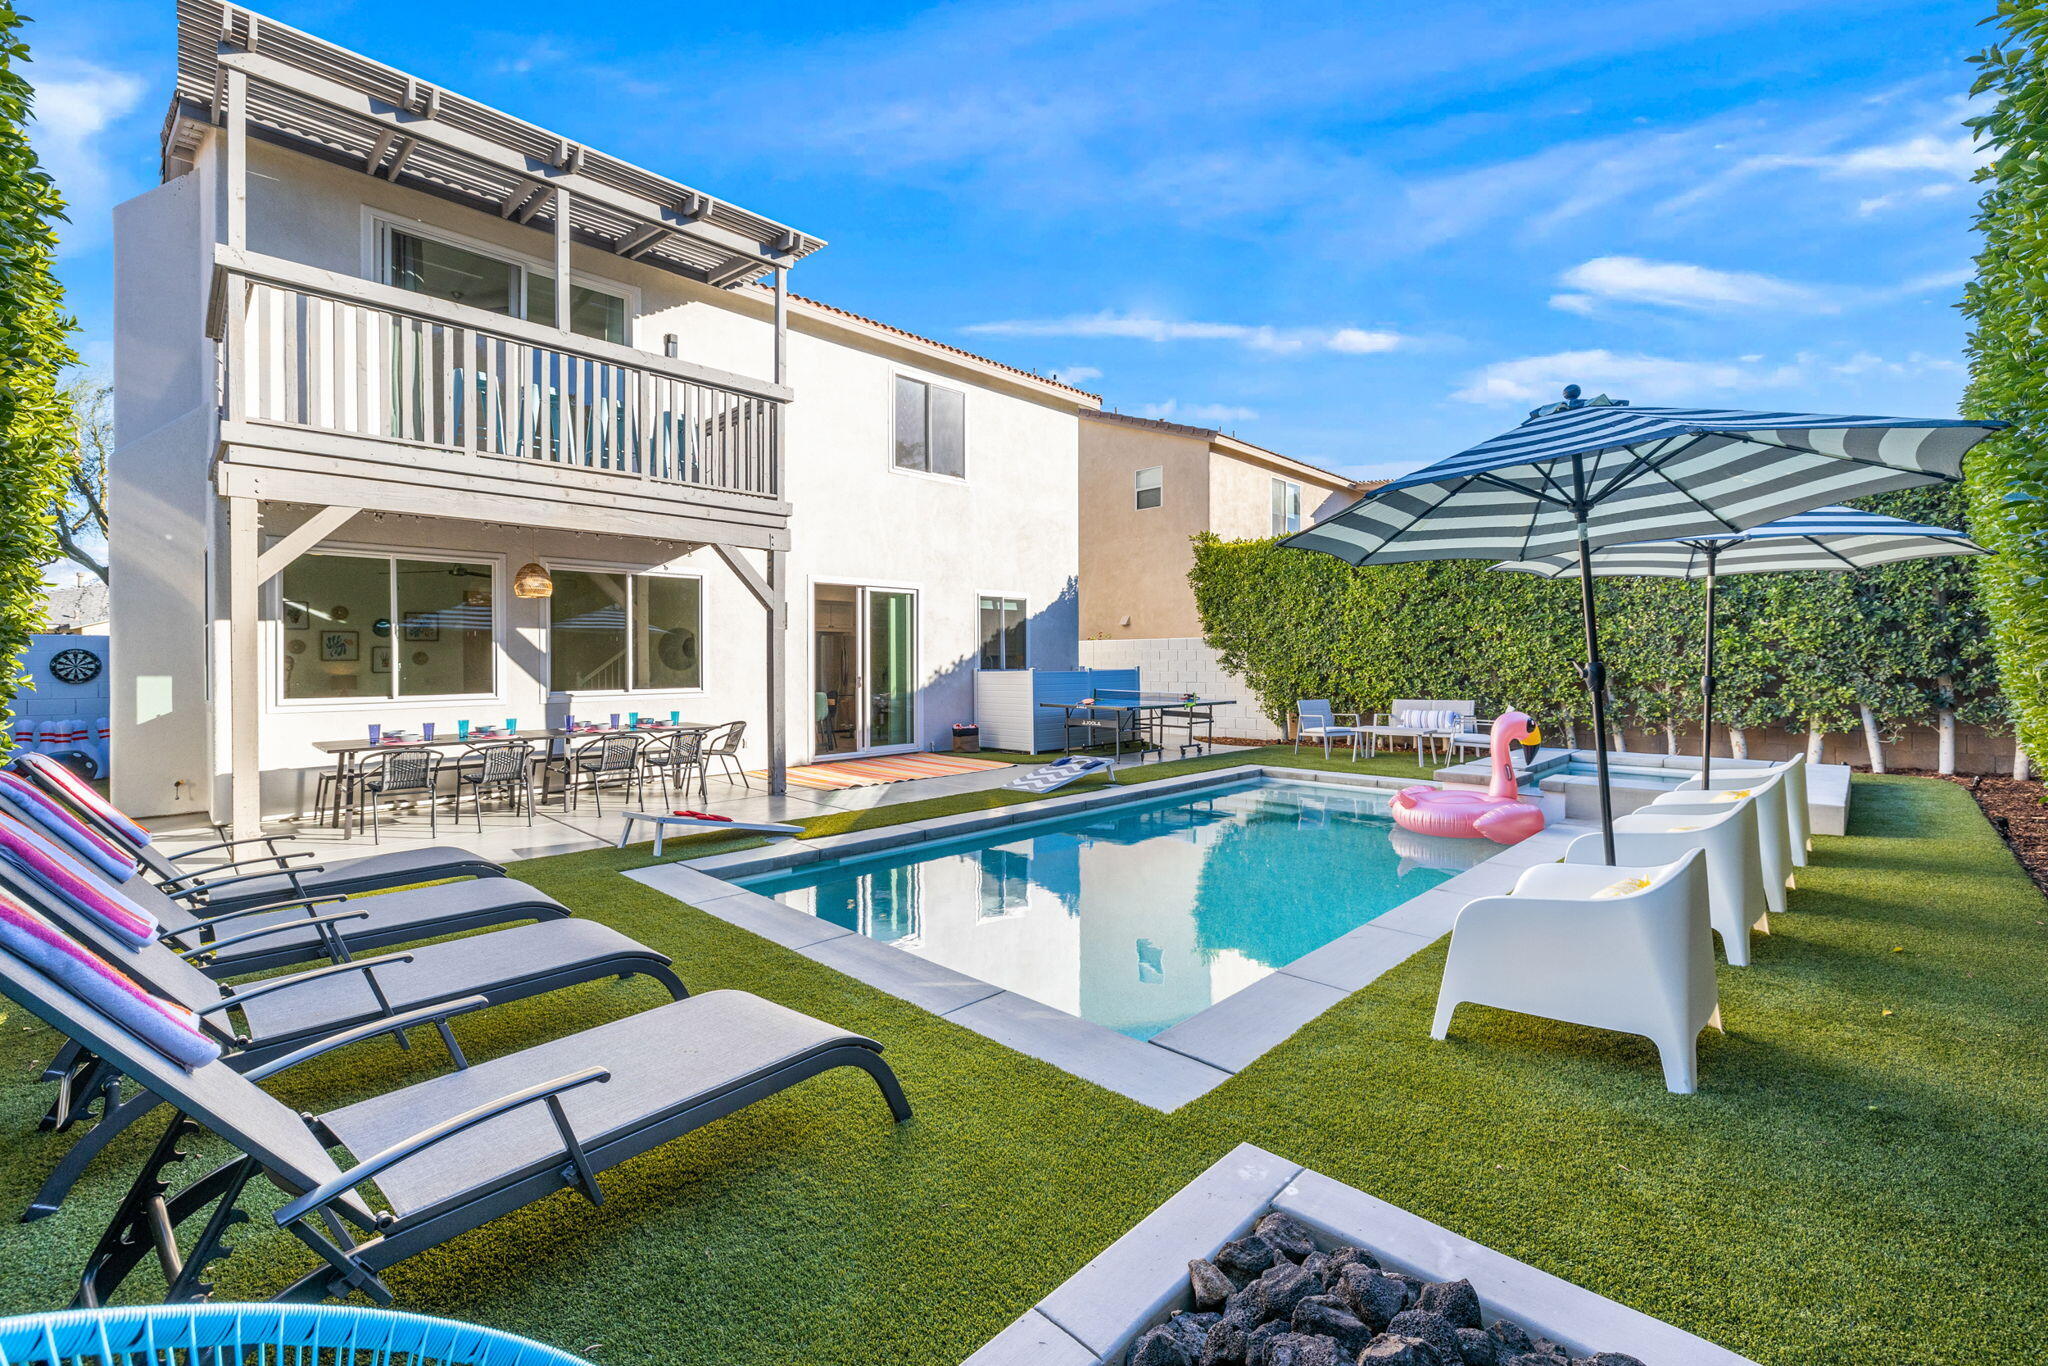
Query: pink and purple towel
<point>61,782</point>
<point>57,873</point>
<point>36,808</point>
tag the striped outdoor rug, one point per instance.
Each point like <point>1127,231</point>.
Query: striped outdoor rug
<point>893,768</point>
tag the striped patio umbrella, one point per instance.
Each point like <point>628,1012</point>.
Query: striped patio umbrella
<point>1829,539</point>
<point>1587,473</point>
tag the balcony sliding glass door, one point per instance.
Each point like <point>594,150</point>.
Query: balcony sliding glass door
<point>864,668</point>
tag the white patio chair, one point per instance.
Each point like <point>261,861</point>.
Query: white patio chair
<point>1313,720</point>
<point>1774,842</point>
<point>1736,899</point>
<point>1627,949</point>
<point>1474,732</point>
<point>1798,817</point>
<point>1421,721</point>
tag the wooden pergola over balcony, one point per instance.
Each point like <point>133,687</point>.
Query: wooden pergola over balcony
<point>354,395</point>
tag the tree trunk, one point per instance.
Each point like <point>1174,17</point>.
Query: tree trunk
<point>1670,738</point>
<point>1945,724</point>
<point>1738,742</point>
<point>2022,767</point>
<point>1871,740</point>
<point>1815,739</point>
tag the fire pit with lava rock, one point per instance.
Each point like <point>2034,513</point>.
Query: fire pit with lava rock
<point>1273,1298</point>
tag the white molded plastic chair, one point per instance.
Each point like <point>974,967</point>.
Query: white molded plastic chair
<point>1640,961</point>
<point>1736,898</point>
<point>1798,817</point>
<point>1313,721</point>
<point>1774,840</point>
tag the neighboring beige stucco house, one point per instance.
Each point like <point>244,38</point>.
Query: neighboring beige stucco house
<point>1147,488</point>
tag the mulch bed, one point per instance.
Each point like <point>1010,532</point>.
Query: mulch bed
<point>2017,808</point>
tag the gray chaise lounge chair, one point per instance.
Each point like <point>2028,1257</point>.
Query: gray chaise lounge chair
<point>280,1014</point>
<point>448,1154</point>
<point>229,885</point>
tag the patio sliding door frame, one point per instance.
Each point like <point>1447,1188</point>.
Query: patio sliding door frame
<point>864,708</point>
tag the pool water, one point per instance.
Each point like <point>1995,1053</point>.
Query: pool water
<point>1140,915</point>
<point>1641,777</point>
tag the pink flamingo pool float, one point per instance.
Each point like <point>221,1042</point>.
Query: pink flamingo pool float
<point>1498,815</point>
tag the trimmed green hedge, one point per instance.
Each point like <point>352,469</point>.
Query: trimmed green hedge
<point>1805,652</point>
<point>36,438</point>
<point>2008,301</point>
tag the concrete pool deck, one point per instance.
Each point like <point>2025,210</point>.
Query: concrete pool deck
<point>1174,1066</point>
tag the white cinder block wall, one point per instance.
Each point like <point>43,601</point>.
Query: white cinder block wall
<point>1185,664</point>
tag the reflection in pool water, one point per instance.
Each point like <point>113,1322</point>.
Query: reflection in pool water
<point>1139,916</point>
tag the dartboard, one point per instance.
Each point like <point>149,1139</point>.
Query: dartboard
<point>75,666</point>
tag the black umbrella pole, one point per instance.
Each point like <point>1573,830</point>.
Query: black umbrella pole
<point>1596,683</point>
<point>1707,690</point>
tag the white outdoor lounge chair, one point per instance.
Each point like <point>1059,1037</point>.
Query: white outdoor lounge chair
<point>1313,721</point>
<point>1420,721</point>
<point>1627,949</point>
<point>1773,832</point>
<point>1736,902</point>
<point>1798,817</point>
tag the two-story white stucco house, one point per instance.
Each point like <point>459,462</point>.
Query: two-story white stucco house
<point>388,359</point>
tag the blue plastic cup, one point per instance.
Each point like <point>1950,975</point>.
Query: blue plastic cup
<point>426,730</point>
<point>462,730</point>
<point>376,733</point>
<point>633,718</point>
<point>511,725</point>
<point>675,718</point>
<point>615,720</point>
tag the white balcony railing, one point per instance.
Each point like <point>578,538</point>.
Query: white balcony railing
<point>319,352</point>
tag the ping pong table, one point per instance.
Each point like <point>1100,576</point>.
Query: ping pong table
<point>1116,716</point>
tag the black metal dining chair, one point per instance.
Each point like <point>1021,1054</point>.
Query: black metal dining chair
<point>723,744</point>
<point>595,762</point>
<point>394,774</point>
<point>671,756</point>
<point>506,768</point>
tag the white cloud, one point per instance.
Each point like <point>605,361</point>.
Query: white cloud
<point>77,102</point>
<point>1214,414</point>
<point>1074,374</point>
<point>1676,284</point>
<point>1532,379</point>
<point>1138,327</point>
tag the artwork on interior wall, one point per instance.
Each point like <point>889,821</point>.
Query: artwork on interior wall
<point>341,647</point>
<point>338,612</point>
<point>380,659</point>
<point>381,627</point>
<point>419,657</point>
<point>295,616</point>
<point>297,647</point>
<point>421,626</point>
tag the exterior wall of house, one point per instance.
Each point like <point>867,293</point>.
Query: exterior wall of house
<point>1241,496</point>
<point>1177,664</point>
<point>1135,561</point>
<point>1007,528</point>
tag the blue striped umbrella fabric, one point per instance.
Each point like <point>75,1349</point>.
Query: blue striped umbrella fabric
<point>1587,473</point>
<point>1827,539</point>
<point>1636,474</point>
<point>1830,538</point>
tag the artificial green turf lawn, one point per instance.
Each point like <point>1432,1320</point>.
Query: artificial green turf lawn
<point>1847,1187</point>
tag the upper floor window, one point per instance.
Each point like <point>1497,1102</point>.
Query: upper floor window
<point>1150,486</point>
<point>931,428</point>
<point>381,626</point>
<point>1002,633</point>
<point>1286,507</point>
<point>624,632</point>
<point>498,284</point>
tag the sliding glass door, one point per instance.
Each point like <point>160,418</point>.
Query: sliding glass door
<point>864,668</point>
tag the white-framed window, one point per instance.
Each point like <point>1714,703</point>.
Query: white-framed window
<point>1286,507</point>
<point>931,428</point>
<point>1149,486</point>
<point>1003,633</point>
<point>612,631</point>
<point>446,267</point>
<point>362,624</point>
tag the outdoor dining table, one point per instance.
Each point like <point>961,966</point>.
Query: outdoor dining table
<point>553,739</point>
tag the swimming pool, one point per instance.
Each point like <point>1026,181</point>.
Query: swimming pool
<point>1641,777</point>
<point>1136,916</point>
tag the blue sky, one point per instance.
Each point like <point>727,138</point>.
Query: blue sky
<point>1366,237</point>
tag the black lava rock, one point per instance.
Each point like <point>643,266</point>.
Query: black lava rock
<point>1608,1359</point>
<point>1317,1265</point>
<point>1479,1347</point>
<point>1210,1285</point>
<point>1411,1284</point>
<point>1372,1295</point>
<point>1223,1347</point>
<point>1347,1255</point>
<point>1159,1347</point>
<point>1329,1316</point>
<point>1436,1330</point>
<point>1259,1341</point>
<point>1391,1349</point>
<point>1282,1287</point>
<point>1455,1300</point>
<point>1301,1349</point>
<point>1245,1259</point>
<point>1537,1359</point>
<point>1287,1236</point>
<point>1512,1337</point>
<point>1191,1330</point>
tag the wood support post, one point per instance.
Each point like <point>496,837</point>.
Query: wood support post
<point>562,258</point>
<point>778,651</point>
<point>237,118</point>
<point>245,772</point>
